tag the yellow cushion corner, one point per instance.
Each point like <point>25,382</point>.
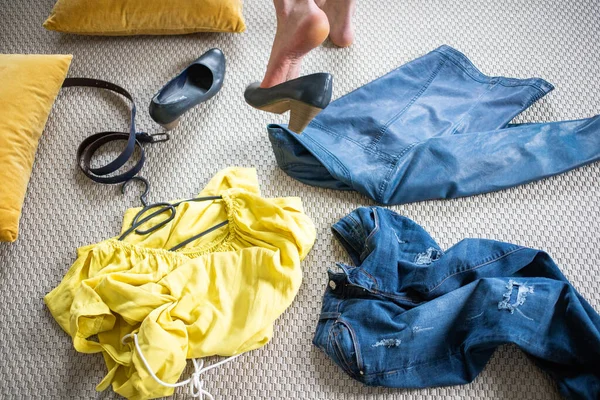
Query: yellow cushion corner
<point>145,17</point>
<point>29,83</point>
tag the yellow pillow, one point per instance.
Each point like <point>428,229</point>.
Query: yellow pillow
<point>28,86</point>
<point>145,17</point>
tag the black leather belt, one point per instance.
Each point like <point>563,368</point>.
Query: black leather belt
<point>90,145</point>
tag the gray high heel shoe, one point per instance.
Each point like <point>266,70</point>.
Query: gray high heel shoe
<point>197,83</point>
<point>304,97</point>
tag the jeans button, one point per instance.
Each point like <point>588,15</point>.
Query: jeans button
<point>332,285</point>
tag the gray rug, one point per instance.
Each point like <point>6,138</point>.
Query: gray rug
<point>558,41</point>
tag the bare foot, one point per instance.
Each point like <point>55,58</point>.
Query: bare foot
<point>301,26</point>
<point>340,13</point>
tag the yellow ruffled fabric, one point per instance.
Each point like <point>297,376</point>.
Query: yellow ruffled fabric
<point>218,295</point>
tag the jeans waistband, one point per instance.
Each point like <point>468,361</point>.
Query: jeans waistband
<point>342,286</point>
<point>463,62</point>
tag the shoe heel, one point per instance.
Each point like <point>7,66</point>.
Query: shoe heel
<point>171,125</point>
<point>300,115</point>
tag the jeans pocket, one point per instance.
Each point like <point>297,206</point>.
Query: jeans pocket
<point>344,349</point>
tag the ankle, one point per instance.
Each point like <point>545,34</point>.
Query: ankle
<point>276,74</point>
<point>285,8</point>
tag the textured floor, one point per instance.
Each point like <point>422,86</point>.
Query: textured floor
<point>64,210</point>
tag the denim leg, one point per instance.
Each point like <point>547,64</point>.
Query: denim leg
<point>448,340</point>
<point>474,163</point>
<point>457,99</point>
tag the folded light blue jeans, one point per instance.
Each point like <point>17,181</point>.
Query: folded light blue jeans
<point>434,128</point>
<point>408,314</point>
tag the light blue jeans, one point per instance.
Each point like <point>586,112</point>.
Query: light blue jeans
<point>409,314</point>
<point>434,128</point>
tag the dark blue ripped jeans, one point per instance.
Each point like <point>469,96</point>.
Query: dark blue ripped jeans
<point>410,315</point>
<point>434,128</point>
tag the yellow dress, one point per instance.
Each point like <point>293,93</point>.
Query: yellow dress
<point>218,295</point>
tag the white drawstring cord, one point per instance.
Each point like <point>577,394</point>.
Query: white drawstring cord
<point>196,384</point>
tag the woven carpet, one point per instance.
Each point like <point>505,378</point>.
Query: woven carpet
<point>558,41</point>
